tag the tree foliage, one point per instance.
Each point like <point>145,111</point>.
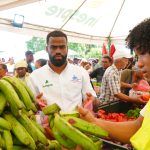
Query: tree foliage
<point>36,44</point>
<point>85,50</point>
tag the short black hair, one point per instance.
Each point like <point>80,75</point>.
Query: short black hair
<point>4,66</point>
<point>56,33</point>
<point>139,37</point>
<point>107,57</point>
<point>27,53</point>
<point>42,62</point>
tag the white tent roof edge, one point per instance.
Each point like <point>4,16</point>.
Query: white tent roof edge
<point>42,31</point>
<point>7,4</point>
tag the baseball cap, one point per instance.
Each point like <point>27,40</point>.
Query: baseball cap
<point>122,55</point>
<point>20,64</point>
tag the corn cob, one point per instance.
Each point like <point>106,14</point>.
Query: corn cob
<point>10,94</point>
<point>23,94</point>
<point>73,114</point>
<point>38,126</point>
<point>2,142</point>
<point>4,124</point>
<point>36,134</point>
<point>74,134</point>
<point>51,109</point>
<point>28,113</point>
<point>62,139</point>
<point>86,127</point>
<point>51,120</point>
<point>20,132</point>
<point>2,102</point>
<point>27,89</point>
<point>8,140</point>
<point>54,145</point>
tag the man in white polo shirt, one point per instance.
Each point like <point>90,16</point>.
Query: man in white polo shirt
<point>61,82</point>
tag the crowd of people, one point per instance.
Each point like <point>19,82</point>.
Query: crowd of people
<point>68,82</point>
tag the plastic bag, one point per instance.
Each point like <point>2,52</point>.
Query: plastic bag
<point>133,92</point>
<point>142,86</point>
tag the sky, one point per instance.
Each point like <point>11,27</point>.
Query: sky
<point>13,45</point>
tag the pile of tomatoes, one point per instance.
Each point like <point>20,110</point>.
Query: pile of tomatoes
<point>116,117</point>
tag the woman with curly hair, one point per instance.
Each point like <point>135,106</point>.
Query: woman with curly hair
<point>137,131</point>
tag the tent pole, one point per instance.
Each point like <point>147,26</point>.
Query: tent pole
<point>117,17</point>
<point>109,44</point>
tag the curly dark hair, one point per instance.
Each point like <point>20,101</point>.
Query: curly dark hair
<point>42,62</point>
<point>139,37</point>
<point>56,33</point>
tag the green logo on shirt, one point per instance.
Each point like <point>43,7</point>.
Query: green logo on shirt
<point>46,81</point>
<point>47,84</point>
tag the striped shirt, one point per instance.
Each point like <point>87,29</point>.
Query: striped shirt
<point>110,84</point>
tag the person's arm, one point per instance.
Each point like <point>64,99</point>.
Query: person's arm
<point>120,131</point>
<point>40,101</point>
<point>135,99</point>
<point>114,86</point>
<point>93,74</point>
<point>126,85</point>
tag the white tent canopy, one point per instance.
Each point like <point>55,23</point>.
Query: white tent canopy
<point>86,21</point>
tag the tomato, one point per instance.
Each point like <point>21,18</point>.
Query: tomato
<point>145,97</point>
<point>101,111</point>
<point>115,117</point>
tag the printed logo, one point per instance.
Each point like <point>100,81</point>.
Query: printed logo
<point>47,84</point>
<point>75,79</point>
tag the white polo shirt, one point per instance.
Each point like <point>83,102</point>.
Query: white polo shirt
<point>67,89</point>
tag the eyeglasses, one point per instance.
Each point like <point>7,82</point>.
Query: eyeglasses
<point>54,47</point>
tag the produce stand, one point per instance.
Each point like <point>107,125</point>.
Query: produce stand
<point>108,145</point>
<point>117,107</point>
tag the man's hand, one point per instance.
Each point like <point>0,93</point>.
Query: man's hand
<point>134,85</point>
<point>139,99</point>
<point>91,103</point>
<point>86,114</point>
<point>89,97</point>
<point>88,102</point>
<point>40,101</point>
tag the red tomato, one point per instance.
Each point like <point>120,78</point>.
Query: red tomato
<point>101,111</point>
<point>145,97</point>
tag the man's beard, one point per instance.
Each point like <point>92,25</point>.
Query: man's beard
<point>58,62</point>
